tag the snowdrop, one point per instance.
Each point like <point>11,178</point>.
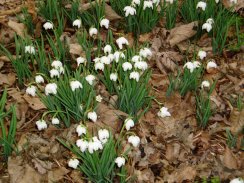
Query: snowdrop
<point>103,135</point>
<point>39,79</point>
<point>94,145</point>
<point>111,57</point>
<point>48,25</point>
<point>73,163</point>
<point>205,84</point>
<point>196,64</point>
<point>30,49</point>
<point>135,2</point>
<point>136,58</point>
<point>207,26</point>
<point>192,65</point>
<point>90,78</point>
<point>80,60</point>
<point>211,64</point>
<point>75,85</point>
<point>92,31</point>
<point>55,121</point>
<point>56,64</point>
<point>163,112</point>
<point>135,75</point>
<point>113,76</point>
<point>82,144</point>
<point>92,116</point>
<point>105,60</point>
<point>147,4</point>
<point>134,140</point>
<point>104,23</point>
<point>107,49</point>
<point>80,130</point>
<point>120,161</point>
<point>142,65</point>
<point>201,5</point>
<point>41,125</point>
<point>77,23</point>
<point>129,123</point>
<point>122,41</point>
<point>54,73</point>
<point>202,54</point>
<point>127,66</point>
<point>216,1</point>
<point>31,90</point>
<point>129,10</point>
<point>237,180</point>
<point>99,66</point>
<point>118,55</point>
<point>99,98</point>
<point>210,21</point>
<point>51,88</point>
<point>145,52</point>
<point>97,59</point>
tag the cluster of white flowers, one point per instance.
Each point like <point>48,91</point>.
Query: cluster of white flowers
<point>57,69</point>
<point>41,125</point>
<point>208,25</point>
<point>31,90</point>
<point>30,49</point>
<point>163,112</point>
<point>192,65</point>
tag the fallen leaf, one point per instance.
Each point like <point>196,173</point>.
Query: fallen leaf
<point>57,174</point>
<point>239,4</point>
<point>75,49</point>
<point>34,102</point>
<point>182,174</point>
<point>19,28</point>
<point>8,79</point>
<point>181,33</point>
<point>237,120</point>
<point>110,13</point>
<point>229,160</point>
<point>42,166</point>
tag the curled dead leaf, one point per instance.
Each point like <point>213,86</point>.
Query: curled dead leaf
<point>229,160</point>
<point>34,102</point>
<point>19,28</point>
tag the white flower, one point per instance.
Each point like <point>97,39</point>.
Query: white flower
<point>41,125</point>
<point>202,54</point>
<point>51,88</point>
<point>111,57</point>
<point>104,23</point>
<point>145,52</point>
<point>61,70</point>
<point>211,64</point>
<point>135,75</point>
<point>80,129</point>
<point>192,65</point>
<point>127,66</point>
<point>134,140</point>
<point>121,41</point>
<point>129,123</point>
<point>217,1</point>
<point>56,64</point>
<point>81,107</point>
<point>30,49</point>
<point>31,90</point>
<point>55,121</point>
<point>205,84</point>
<point>92,116</point>
<point>147,4</point>
<point>99,66</point>
<point>118,55</point>
<point>135,2</point>
<point>77,23</point>
<point>73,163</point>
<point>103,135</point>
<point>80,60</point>
<point>233,1</point>
<point>90,78</point>
<point>92,31</point>
<point>196,64</point>
<point>107,49</point>
<point>75,85</point>
<point>237,180</point>
<point>82,144</point>
<point>113,76</point>
<point>210,21</point>
<point>99,98</point>
<point>120,161</point>
<point>142,65</point>
<point>163,112</point>
<point>105,60</point>
<point>54,73</point>
<point>136,58</point>
<point>207,27</point>
<point>48,25</point>
<point>97,59</point>
<point>129,10</point>
<point>170,1</point>
<point>94,145</point>
<point>201,5</point>
<point>39,79</point>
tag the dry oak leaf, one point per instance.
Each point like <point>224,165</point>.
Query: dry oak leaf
<point>19,28</point>
<point>110,13</point>
<point>8,79</point>
<point>182,174</point>
<point>182,33</point>
<point>229,160</point>
<point>164,62</point>
<point>57,174</point>
<point>34,102</point>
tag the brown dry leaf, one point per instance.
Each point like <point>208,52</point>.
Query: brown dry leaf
<point>145,176</point>
<point>75,49</point>
<point>1,64</point>
<point>145,37</point>
<point>31,5</point>
<point>76,176</point>
<point>19,28</point>
<point>182,174</point>
<point>172,151</point>
<point>156,44</point>
<point>237,6</point>
<point>8,79</point>
<point>110,13</point>
<point>182,33</point>
<point>34,102</point>
<point>164,62</point>
<point>42,166</point>
<point>229,160</point>
<point>237,120</point>
<point>56,175</point>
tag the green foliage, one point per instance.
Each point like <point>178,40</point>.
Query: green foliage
<point>50,9</point>
<point>7,138</point>
<point>239,102</point>
<point>231,139</point>
<point>27,20</point>
<point>171,14</point>
<point>118,5</point>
